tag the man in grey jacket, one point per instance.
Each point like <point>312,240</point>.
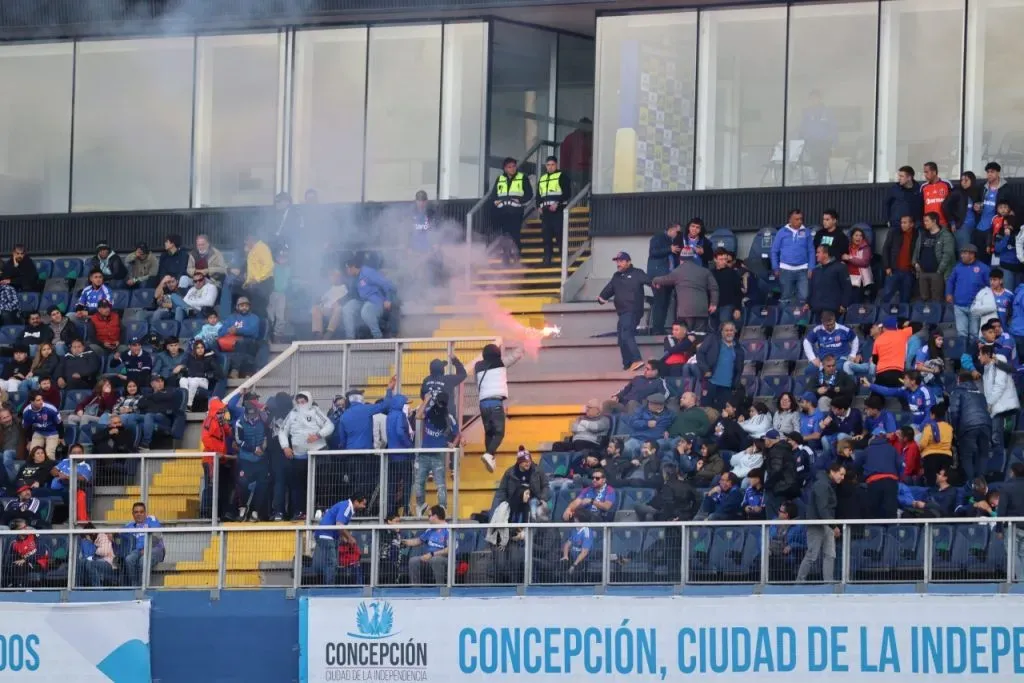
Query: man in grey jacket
<point>821,539</point>
<point>696,293</point>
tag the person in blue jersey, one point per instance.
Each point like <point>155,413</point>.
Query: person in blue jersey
<point>575,552</point>
<point>436,542</point>
<point>42,424</point>
<point>253,473</point>
<point>325,554</point>
<point>810,419</point>
<point>596,503</point>
<point>919,397</point>
<point>89,299</point>
<point>135,557</point>
<point>830,338</point>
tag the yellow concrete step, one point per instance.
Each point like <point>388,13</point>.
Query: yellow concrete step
<point>544,270</point>
<point>511,304</point>
<point>245,551</point>
<point>518,281</point>
<point>166,507</point>
<point>208,579</point>
<point>547,295</point>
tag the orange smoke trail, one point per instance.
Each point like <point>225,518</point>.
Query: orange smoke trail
<point>510,328</point>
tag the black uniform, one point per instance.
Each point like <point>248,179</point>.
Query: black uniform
<point>553,193</point>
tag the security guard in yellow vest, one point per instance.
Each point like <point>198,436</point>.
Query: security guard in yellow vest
<point>553,194</point>
<point>512,190</point>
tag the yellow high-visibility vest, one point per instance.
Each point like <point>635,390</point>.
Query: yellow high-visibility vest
<point>507,189</point>
<point>549,184</point>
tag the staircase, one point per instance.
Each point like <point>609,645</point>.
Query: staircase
<point>530,278</point>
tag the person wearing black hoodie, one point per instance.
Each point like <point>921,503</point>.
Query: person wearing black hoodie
<point>278,407</point>
<point>20,271</point>
<point>492,387</point>
<point>162,410</point>
<point>174,262</point>
<point>437,381</point>
<point>107,262</point>
<point>958,206</point>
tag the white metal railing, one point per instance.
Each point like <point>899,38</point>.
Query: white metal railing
<point>567,258</point>
<point>292,568</point>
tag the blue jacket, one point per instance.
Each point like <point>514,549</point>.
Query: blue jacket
<point>728,505</point>
<point>989,201</point>
<point>639,429</point>
<point>357,425</point>
<point>968,408</point>
<point>1017,312</point>
<point>399,433</point>
<point>879,458</point>
<point>138,368</point>
<point>885,420</point>
<point>250,325</point>
<point>660,259</point>
<point>966,281</point>
<point>249,436</point>
<point>852,424</point>
<point>164,363</point>
<point>901,201</point>
<point>793,247</point>
<point>373,287</point>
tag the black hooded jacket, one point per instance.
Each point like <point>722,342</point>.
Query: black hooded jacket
<point>437,381</point>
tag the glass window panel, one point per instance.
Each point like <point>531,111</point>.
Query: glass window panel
<point>330,107</point>
<point>919,96</point>
<point>575,107</point>
<point>831,101</point>
<point>133,124</point>
<point>403,110</point>
<point>995,101</point>
<point>522,106</point>
<point>462,110</point>
<point>35,127</point>
<point>741,98</point>
<point>237,107</point>
<point>646,79</point>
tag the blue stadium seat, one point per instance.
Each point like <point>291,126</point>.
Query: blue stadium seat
<point>44,267</point>
<point>799,384</point>
<point>552,460</point>
<point>135,328</point>
<point>142,298</point>
<point>59,299</point>
<point>561,502</point>
<point>787,349</point>
<point>120,299</point>
<point>726,556</point>
<point>927,312</point>
<point>775,367</point>
<point>898,310</point>
<point>190,327</point>
<point>759,257</point>
<point>749,368</point>
<point>995,558</point>
<point>68,268</point>
<point>627,548</point>
<point>71,434</point>
<point>909,549</point>
<point>972,547</point>
<point>630,497</point>
<point>755,350</point>
<point>28,301</point>
<point>467,541</point>
<point>764,316</point>
<point>700,553</point>
<point>750,385</point>
<point>723,238</point>
<point>774,385</point>
<point>9,334</point>
<point>955,348</point>
<point>948,313</point>
<point>947,557</point>
<point>166,328</point>
<point>753,332</point>
<point>861,314</point>
<point>781,332</point>
<point>867,551</point>
<point>794,314</point>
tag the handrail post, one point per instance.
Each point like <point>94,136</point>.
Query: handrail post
<point>456,476</point>
<point>72,492</point>
<point>144,480</point>
<point>566,254</point>
<point>382,499</point>
<point>845,576</point>
<point>765,570</point>
<point>297,561</point>
<point>927,576</point>
<point>215,493</point>
<point>684,551</point>
<point>1011,550</point>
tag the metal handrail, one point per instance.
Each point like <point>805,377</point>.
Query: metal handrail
<point>566,258</point>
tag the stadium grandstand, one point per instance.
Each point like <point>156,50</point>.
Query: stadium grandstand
<point>577,300</point>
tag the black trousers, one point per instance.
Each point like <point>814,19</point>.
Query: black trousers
<point>933,463</point>
<point>882,499</point>
<point>494,427</point>
<point>551,233</point>
<point>510,222</point>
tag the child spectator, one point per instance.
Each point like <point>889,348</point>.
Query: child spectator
<point>910,452</point>
<point>91,408</point>
<point>209,333</point>
<point>753,495</point>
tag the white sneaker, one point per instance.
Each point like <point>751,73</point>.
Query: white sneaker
<point>421,511</point>
<point>254,516</point>
<point>489,461</point>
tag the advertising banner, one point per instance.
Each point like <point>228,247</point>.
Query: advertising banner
<point>75,642</point>
<point>779,638</point>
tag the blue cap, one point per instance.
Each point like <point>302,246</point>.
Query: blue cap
<point>879,429</point>
<point>135,340</point>
<point>622,256</point>
<point>890,322</point>
<point>772,434</point>
<point>809,397</point>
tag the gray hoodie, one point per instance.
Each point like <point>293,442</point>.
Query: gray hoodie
<point>302,421</point>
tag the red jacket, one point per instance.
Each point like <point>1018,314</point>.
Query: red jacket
<point>108,330</point>
<point>24,548</point>
<point>216,433</point>
<point>934,194</point>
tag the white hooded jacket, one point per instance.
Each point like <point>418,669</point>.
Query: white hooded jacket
<point>302,421</point>
<point>1000,391</point>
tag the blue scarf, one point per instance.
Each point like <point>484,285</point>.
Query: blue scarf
<point>935,428</point>
<point>830,381</point>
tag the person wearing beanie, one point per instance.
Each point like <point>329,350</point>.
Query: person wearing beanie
<point>968,278</point>
<point>174,262</point>
<point>523,486</point>
<point>107,262</point>
<point>142,266</point>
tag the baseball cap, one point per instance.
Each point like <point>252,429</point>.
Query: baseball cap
<point>622,256</point>
<point>242,300</point>
<point>101,245</point>
<point>809,397</point>
<point>969,247</point>
<point>890,322</point>
<point>134,341</point>
<point>772,434</point>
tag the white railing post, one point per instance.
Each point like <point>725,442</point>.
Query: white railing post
<point>215,492</point>
<point>72,492</point>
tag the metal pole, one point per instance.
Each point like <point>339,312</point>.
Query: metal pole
<point>456,480</point>
<point>72,493</point>
<point>1011,550</point>
<point>215,494</point>
<point>147,560</point>
<point>297,563</point>
<point>684,547</point>
<point>382,500</point>
<point>311,484</point>
<point>453,542</point>
<point>845,576</point>
<point>606,557</point>
<point>398,367</point>
<point>222,561</point>
<point>345,350</point>
<point>374,558</point>
<point>927,553</point>
<point>72,560</point>
<point>144,481</point>
<point>765,557</point>
<point>527,556</point>
<point>565,251</point>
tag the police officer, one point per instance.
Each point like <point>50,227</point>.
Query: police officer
<point>554,193</point>
<point>512,190</point>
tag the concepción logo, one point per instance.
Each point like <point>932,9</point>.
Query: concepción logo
<point>374,621</point>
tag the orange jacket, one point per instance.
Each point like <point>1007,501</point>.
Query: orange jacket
<point>216,433</point>
<point>934,194</point>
